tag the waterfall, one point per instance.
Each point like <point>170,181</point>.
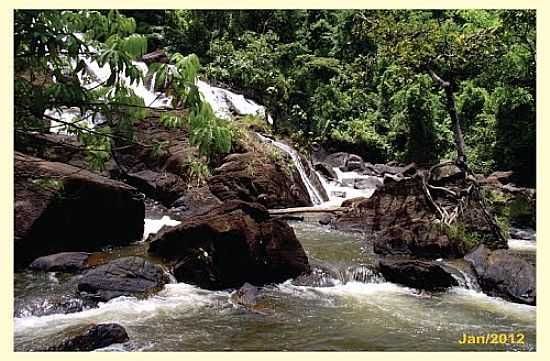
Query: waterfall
<point>224,103</point>
<point>313,193</point>
<point>227,104</point>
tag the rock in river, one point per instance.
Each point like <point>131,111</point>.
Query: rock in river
<point>92,337</point>
<point>129,276</point>
<point>428,275</point>
<point>61,262</point>
<point>62,208</point>
<point>500,273</point>
<point>231,244</point>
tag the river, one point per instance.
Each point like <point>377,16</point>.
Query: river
<point>350,315</point>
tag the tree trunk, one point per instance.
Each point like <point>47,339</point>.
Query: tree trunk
<point>457,129</point>
<point>459,138</point>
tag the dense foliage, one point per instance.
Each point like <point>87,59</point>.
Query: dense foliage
<point>362,80</point>
<point>386,84</point>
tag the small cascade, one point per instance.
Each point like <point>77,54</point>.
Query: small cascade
<point>344,187</point>
<point>362,274</point>
<point>463,273</point>
<point>313,193</point>
<point>227,104</point>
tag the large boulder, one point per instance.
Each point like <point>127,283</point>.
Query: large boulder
<point>62,208</point>
<point>128,276</point>
<point>402,210</point>
<point>194,201</point>
<point>419,238</point>
<point>91,337</point>
<point>501,273</point>
<point>231,244</point>
<point>421,274</point>
<point>255,177</point>
<point>61,262</point>
<point>162,186</point>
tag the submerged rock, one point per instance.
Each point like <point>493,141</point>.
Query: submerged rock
<point>128,276</point>
<point>61,208</point>
<point>231,244</point>
<point>421,274</point>
<point>91,337</point>
<point>61,262</point>
<point>501,273</point>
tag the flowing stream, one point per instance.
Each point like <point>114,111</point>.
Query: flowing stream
<point>357,311</point>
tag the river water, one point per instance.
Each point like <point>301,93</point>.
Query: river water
<point>350,315</point>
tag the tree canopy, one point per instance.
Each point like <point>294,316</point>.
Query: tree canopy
<point>406,85</point>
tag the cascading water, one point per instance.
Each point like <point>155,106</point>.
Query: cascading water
<point>313,193</point>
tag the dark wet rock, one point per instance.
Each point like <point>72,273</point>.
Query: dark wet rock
<point>91,337</point>
<point>61,262</point>
<point>501,273</point>
<point>368,183</point>
<point>326,171</point>
<point>164,186</point>
<point>231,244</point>
<point>129,276</point>
<point>254,177</point>
<point>194,201</point>
<point>419,238</point>
<point>61,208</point>
<point>427,275</point>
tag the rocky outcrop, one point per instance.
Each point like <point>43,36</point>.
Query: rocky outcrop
<point>194,201</point>
<point>128,276</point>
<point>231,244</point>
<point>255,177</point>
<point>160,173</point>
<point>500,273</point>
<point>62,208</point>
<point>61,262</point>
<point>91,337</point>
<point>418,238</point>
<point>421,274</point>
<point>403,219</point>
<point>57,148</point>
